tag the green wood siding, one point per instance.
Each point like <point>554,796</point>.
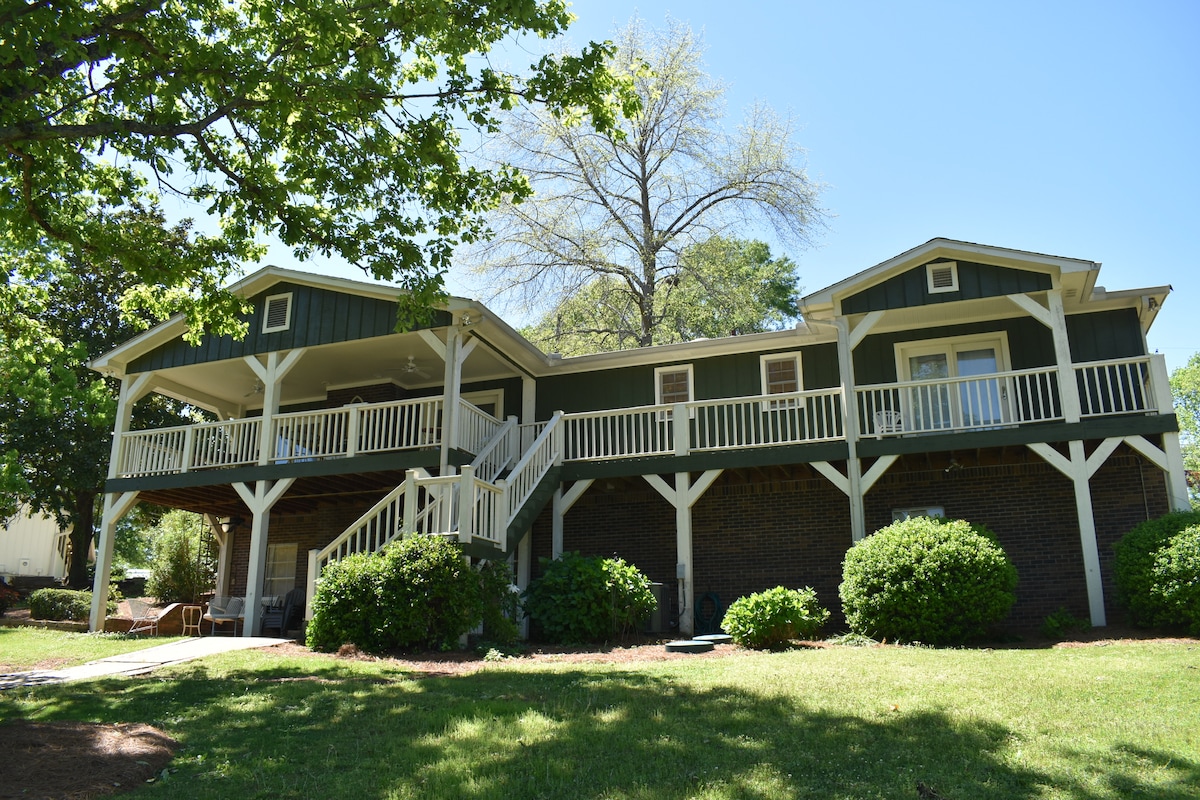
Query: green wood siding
<point>319,316</point>
<point>1030,344</point>
<point>736,375</point>
<point>911,288</point>
<point>1105,334</point>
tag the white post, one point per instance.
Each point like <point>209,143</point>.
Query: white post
<point>1160,388</point>
<point>115,507</point>
<point>260,503</point>
<point>451,392</point>
<point>1087,533</point>
<point>845,350</point>
<point>556,533</point>
<point>524,572</point>
<point>1068,388</point>
<point>410,503</point>
<point>466,504</point>
<point>683,557</point>
<point>311,583</point>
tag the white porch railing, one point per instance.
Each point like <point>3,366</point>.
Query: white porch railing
<point>1116,386</point>
<point>296,436</point>
<point>1004,399</point>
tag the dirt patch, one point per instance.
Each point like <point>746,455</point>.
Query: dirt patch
<point>79,760</point>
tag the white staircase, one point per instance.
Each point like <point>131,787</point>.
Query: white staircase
<point>475,506</point>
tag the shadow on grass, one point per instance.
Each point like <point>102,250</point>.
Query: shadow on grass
<point>338,730</point>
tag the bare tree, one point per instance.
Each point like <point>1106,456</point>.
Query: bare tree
<point>616,210</point>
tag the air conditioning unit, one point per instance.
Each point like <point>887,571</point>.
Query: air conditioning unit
<point>657,621</point>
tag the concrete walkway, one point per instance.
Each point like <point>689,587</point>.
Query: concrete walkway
<point>139,661</point>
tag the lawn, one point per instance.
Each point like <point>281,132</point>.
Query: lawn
<point>1104,721</point>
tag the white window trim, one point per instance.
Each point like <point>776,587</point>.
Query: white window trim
<point>691,386</point>
<point>934,512</point>
<point>924,347</point>
<point>268,578</point>
<point>287,315</point>
<point>487,396</point>
<point>765,359</point>
<point>952,266</point>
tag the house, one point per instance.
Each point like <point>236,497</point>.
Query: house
<point>32,546</point>
<point>1000,386</point>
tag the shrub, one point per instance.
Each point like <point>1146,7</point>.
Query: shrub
<point>771,618</point>
<point>181,569</point>
<point>927,580</point>
<point>500,603</point>
<point>1176,575</point>
<point>588,598</point>
<point>1063,622</point>
<point>1143,586</point>
<point>418,593</point>
<point>67,604</point>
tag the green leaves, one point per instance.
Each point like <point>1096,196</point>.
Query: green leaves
<point>334,127</point>
<point>775,616</point>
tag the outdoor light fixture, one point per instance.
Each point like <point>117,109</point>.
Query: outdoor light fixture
<point>230,523</point>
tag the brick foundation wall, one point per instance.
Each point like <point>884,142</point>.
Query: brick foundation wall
<point>752,531</point>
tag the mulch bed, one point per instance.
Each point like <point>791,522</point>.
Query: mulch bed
<point>79,760</point>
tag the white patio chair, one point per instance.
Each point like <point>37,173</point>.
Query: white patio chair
<point>224,609</point>
<point>145,617</point>
<point>887,421</point>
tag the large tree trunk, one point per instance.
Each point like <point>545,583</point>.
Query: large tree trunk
<point>81,539</point>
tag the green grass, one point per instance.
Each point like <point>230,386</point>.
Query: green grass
<point>39,648</point>
<point>1117,721</point>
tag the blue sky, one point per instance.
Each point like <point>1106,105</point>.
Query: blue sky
<point>1067,128</point>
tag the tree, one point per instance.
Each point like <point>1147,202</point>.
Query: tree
<point>724,287</point>
<point>56,415</point>
<point>1185,386</point>
<point>335,126</point>
<point>614,212</point>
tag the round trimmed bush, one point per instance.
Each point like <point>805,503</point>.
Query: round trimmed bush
<point>1157,571</point>
<point>774,617</point>
<point>416,594</point>
<point>588,598</point>
<point>927,580</point>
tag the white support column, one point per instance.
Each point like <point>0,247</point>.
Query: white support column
<point>115,507</point>
<point>1055,319</point>
<point>271,375</point>
<point>223,540</point>
<point>561,504</point>
<point>528,400</point>
<point>846,342</point>
<point>683,496</point>
<point>451,392</point>
<point>131,391</point>
<point>260,503</point>
<point>524,572</point>
<point>1080,469</point>
<point>1164,400</point>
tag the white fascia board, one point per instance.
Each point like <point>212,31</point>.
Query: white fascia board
<point>688,351</point>
<point>821,303</point>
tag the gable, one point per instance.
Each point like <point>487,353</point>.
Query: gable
<point>974,281</point>
<point>315,316</point>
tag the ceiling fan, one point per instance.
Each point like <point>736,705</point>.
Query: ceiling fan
<point>411,368</point>
<point>257,388</point>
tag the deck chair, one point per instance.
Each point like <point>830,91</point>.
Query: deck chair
<point>145,617</point>
<point>888,422</point>
<point>283,617</point>
<point>224,609</point>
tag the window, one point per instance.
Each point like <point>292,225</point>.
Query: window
<point>942,276</point>
<point>672,385</point>
<point>277,313</point>
<point>899,514</point>
<point>781,375</point>
<point>281,570</point>
<point>490,402</point>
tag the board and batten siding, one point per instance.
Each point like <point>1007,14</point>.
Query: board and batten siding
<point>318,316</point>
<point>737,375</point>
<point>1105,334</point>
<point>975,281</point>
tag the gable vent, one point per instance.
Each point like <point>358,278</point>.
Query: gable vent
<point>278,313</point>
<point>943,277</point>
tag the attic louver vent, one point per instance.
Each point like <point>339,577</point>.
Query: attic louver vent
<point>278,313</point>
<point>943,277</point>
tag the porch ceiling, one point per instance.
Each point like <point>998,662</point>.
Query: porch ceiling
<point>304,496</point>
<point>231,386</point>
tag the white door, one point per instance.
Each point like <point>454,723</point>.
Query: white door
<point>943,400</point>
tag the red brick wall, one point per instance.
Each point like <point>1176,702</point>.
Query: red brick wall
<point>310,531</point>
<point>752,531</point>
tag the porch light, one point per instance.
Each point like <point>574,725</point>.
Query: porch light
<point>230,524</point>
